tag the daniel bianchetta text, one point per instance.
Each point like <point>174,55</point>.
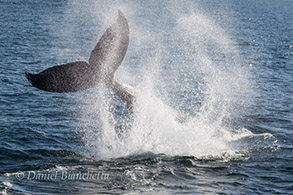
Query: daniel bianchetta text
<point>63,175</point>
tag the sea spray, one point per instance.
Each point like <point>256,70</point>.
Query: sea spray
<point>193,70</point>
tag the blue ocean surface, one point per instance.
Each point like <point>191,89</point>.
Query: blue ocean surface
<point>213,111</point>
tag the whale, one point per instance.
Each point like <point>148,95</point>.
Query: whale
<point>104,60</point>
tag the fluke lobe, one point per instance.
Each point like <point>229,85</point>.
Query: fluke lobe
<point>104,60</point>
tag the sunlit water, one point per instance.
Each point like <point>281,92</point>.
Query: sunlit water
<point>213,112</point>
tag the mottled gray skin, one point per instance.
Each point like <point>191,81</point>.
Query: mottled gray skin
<point>104,60</point>
<point>71,77</point>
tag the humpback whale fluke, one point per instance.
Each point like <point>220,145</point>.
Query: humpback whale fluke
<point>104,60</point>
<point>71,77</point>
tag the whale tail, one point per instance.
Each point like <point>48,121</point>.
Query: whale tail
<point>104,60</point>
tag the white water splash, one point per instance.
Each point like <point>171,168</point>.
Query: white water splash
<point>193,66</point>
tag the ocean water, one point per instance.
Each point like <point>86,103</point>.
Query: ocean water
<point>223,67</point>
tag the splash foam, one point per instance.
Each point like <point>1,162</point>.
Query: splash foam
<point>194,70</point>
